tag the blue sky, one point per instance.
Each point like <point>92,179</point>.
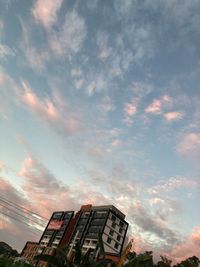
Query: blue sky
<point>100,103</point>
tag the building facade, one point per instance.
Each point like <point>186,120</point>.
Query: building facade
<point>30,250</point>
<point>106,220</point>
<point>68,227</point>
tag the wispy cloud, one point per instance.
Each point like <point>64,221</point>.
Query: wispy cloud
<point>40,182</point>
<point>50,110</point>
<point>139,35</point>
<point>6,51</point>
<point>11,228</point>
<point>189,144</point>
<point>104,49</point>
<point>1,27</point>
<point>151,228</point>
<point>96,84</point>
<point>172,184</point>
<point>165,207</point>
<point>71,36</point>
<point>36,57</point>
<point>45,11</point>
<point>2,77</point>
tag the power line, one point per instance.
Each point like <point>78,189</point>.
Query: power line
<point>21,208</point>
<point>28,218</point>
<point>14,218</point>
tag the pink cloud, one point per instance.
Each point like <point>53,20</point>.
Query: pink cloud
<point>196,235</point>
<point>56,113</point>
<point>188,248</point>
<point>166,99</point>
<point>130,110</point>
<point>42,189</point>
<point>174,115</point>
<point>41,186</point>
<point>12,228</point>
<point>154,107</point>
<point>46,107</point>
<point>45,11</point>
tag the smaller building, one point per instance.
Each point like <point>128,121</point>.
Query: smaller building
<point>30,250</point>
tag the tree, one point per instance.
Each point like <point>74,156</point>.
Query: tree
<point>59,259</point>
<point>189,262</point>
<point>164,262</point>
<point>141,260</point>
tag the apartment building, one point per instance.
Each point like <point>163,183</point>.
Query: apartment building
<point>67,227</point>
<point>106,220</point>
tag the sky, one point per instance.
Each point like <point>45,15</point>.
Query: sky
<point>100,104</point>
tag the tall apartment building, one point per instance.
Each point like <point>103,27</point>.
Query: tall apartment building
<point>67,227</point>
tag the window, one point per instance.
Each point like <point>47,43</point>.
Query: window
<point>48,251</point>
<point>113,225</point>
<point>57,215</point>
<point>120,230</point>
<point>113,218</point>
<point>100,214</point>
<point>67,215</point>
<point>92,235</point>
<point>109,240</point>
<point>49,232</point>
<point>118,237</point>
<point>82,221</point>
<point>60,233</point>
<point>116,245</point>
<point>85,215</point>
<point>97,222</point>
<point>111,232</point>
<point>94,229</point>
<point>86,242</point>
<point>94,242</point>
<point>121,224</point>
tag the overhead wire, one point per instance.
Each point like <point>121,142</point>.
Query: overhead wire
<point>23,215</point>
<point>28,218</point>
<point>23,209</point>
<point>17,219</point>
